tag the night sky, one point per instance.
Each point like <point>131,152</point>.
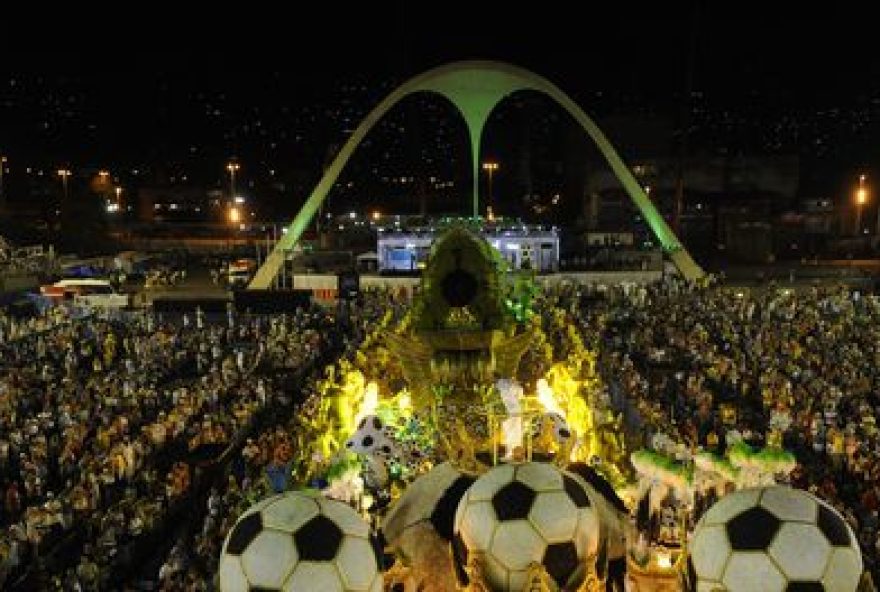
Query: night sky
<point>126,92</point>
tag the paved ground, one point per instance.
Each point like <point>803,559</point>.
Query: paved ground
<point>198,285</point>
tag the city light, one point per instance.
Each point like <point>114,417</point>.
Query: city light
<point>239,199</point>
<point>2,167</point>
<point>234,215</point>
<point>861,200</point>
<point>64,174</point>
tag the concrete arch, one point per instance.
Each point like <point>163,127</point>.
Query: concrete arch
<point>475,88</point>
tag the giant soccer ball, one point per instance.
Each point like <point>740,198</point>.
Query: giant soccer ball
<point>296,542</point>
<point>419,525</point>
<point>773,539</point>
<point>516,515</point>
<point>432,498</point>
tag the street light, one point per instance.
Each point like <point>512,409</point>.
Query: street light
<point>64,174</point>
<point>2,192</point>
<point>861,200</point>
<point>232,167</point>
<point>490,168</point>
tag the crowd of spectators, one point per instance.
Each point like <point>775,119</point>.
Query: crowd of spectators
<point>100,418</point>
<point>777,366</point>
<point>103,421</point>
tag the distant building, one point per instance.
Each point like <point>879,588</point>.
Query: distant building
<point>178,203</point>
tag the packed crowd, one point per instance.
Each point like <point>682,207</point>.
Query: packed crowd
<point>772,366</point>
<point>102,422</point>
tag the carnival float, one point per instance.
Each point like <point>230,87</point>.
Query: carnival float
<point>472,446</point>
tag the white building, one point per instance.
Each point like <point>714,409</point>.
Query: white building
<point>522,246</point>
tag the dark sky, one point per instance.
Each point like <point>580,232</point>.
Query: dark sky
<point>822,50</point>
<point>134,66</point>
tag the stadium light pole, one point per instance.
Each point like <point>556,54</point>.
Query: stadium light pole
<point>490,168</point>
<point>64,174</point>
<point>232,167</point>
<point>861,200</point>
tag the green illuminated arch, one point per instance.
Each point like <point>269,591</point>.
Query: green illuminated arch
<point>475,88</point>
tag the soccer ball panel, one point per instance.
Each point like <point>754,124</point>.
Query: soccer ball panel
<point>478,525</point>
<point>554,516</point>
<point>752,530</point>
<point>576,491</point>
<point>833,526</point>
<point>290,512</point>
<point>496,573</point>
<point>265,503</point>
<point>804,587</point>
<point>710,551</point>
<point>493,480</point>
<point>731,505</point>
<point>789,505</point>
<point>513,501</point>
<point>310,575</point>
<point>232,578</point>
<point>245,530</point>
<point>356,563</point>
<point>443,515</point>
<point>844,570</point>
<point>517,544</point>
<point>460,558</point>
<point>801,551</point>
<point>516,580</point>
<point>586,537</point>
<point>318,539</point>
<point>345,518</point>
<point>750,571</point>
<point>269,559</point>
<point>561,562</point>
<point>539,476</point>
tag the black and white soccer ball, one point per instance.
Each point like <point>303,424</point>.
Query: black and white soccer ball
<point>432,498</point>
<point>519,514</point>
<point>295,542</point>
<point>373,436</point>
<point>773,539</point>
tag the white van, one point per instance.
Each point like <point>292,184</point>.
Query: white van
<point>87,292</point>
